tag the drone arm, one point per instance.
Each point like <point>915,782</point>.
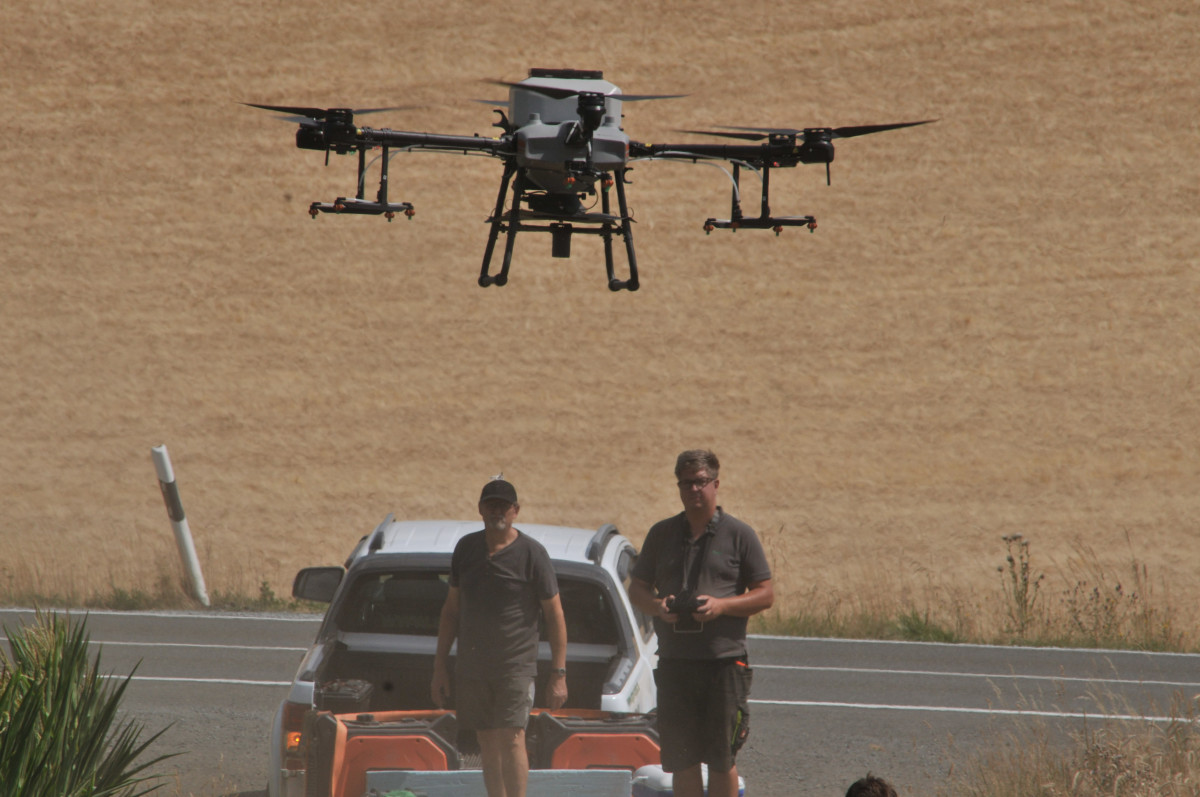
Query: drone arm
<point>748,154</point>
<point>340,136</point>
<point>432,141</point>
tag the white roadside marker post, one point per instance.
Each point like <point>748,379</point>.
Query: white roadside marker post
<point>183,535</point>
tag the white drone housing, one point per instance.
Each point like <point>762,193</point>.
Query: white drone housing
<point>550,132</point>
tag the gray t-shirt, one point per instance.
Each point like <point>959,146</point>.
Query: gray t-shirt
<point>733,559</point>
<point>499,604</point>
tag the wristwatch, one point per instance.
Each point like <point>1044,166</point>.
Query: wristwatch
<point>559,671</point>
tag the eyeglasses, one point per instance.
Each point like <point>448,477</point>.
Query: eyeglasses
<point>694,484</point>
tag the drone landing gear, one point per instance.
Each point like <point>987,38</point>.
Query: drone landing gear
<point>564,219</point>
<point>765,221</point>
<point>359,204</point>
<point>354,205</point>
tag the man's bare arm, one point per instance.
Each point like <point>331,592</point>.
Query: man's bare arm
<point>556,630</point>
<point>439,688</point>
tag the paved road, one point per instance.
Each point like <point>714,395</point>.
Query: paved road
<point>824,711</point>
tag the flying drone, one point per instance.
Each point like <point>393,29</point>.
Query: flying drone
<point>561,144</point>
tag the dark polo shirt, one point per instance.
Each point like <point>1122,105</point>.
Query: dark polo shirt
<point>733,559</point>
<point>499,603</point>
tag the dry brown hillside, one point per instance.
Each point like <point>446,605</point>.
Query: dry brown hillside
<point>994,329</point>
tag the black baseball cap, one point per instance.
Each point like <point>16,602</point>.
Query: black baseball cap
<point>499,488</point>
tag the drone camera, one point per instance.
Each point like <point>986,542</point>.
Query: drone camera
<point>560,235</point>
<point>591,110</point>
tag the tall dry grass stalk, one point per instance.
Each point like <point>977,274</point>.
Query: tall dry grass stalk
<point>1093,602</point>
<point>1111,756</point>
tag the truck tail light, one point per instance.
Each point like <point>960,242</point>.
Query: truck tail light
<point>293,734</point>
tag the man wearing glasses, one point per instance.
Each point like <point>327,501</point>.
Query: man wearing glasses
<point>700,575</point>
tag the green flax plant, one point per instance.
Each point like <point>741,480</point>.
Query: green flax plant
<point>60,731</point>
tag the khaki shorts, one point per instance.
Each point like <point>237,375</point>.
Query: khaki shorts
<point>488,704</point>
<point>703,714</point>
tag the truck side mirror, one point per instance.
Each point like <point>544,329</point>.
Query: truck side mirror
<point>317,583</point>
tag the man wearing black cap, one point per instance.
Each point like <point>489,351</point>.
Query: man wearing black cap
<point>499,580</point>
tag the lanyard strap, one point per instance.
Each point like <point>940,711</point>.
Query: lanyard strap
<point>691,570</point>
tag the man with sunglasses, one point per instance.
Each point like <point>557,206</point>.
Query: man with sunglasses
<point>701,574</point>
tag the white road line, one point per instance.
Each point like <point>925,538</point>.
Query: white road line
<point>833,641</point>
<point>199,645</point>
<point>104,643</point>
<point>281,617</point>
<point>179,680</point>
<point>988,676</point>
<point>999,712</point>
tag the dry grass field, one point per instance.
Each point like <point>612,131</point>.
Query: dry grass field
<point>993,331</point>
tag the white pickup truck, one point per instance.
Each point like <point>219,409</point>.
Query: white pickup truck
<point>374,651</point>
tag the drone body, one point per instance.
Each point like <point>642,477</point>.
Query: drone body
<point>552,133</point>
<point>562,145</point>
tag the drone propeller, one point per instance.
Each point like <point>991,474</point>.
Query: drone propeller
<point>817,142</point>
<point>562,94</point>
<point>722,134</point>
<point>308,116</point>
<point>817,133</point>
<point>318,124</point>
<point>862,130</point>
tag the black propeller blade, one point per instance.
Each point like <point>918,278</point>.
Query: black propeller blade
<point>302,114</point>
<point>762,133</point>
<point>742,136</point>
<point>562,94</point>
<point>862,130</point>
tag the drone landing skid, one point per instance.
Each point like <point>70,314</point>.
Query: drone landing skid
<point>362,207</point>
<point>764,221</point>
<point>359,204</point>
<point>761,223</point>
<point>561,226</point>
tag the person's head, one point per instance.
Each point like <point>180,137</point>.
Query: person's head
<point>498,505</point>
<point>871,786</point>
<point>696,472</point>
<point>697,459</point>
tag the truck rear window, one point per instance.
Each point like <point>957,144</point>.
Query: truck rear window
<point>395,603</point>
<point>410,603</point>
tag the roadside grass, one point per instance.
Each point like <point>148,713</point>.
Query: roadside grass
<point>169,592</point>
<point>1117,754</point>
<point>1096,606</point>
